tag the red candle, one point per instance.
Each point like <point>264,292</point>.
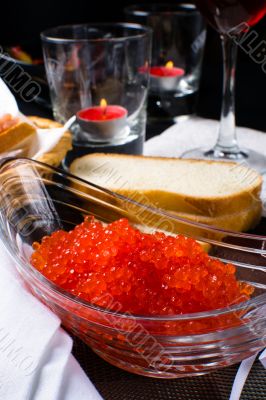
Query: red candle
<point>103,112</point>
<point>103,122</point>
<point>168,70</point>
<point>165,78</point>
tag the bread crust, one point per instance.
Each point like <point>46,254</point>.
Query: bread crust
<point>242,221</point>
<point>10,138</point>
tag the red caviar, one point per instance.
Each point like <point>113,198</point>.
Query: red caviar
<point>150,274</point>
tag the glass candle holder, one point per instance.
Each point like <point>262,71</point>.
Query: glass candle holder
<point>95,72</point>
<point>178,42</point>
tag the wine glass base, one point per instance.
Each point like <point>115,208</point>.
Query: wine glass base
<point>250,158</point>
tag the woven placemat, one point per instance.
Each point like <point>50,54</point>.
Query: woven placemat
<point>116,384</point>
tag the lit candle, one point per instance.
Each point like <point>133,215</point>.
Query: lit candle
<point>165,77</point>
<point>103,122</point>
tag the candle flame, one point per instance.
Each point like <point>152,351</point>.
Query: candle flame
<point>103,105</point>
<point>169,64</point>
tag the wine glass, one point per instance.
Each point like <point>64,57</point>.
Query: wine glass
<point>230,19</point>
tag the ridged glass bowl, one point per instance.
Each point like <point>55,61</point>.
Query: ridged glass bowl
<point>37,199</point>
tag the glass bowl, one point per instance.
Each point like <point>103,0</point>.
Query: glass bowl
<point>37,199</point>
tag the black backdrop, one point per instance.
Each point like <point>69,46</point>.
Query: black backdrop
<point>22,22</point>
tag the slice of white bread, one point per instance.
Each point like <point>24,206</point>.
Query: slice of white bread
<point>199,189</point>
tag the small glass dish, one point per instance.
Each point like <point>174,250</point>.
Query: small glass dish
<point>37,199</point>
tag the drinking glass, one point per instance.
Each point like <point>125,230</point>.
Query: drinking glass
<point>178,42</point>
<point>90,65</point>
<point>231,20</point>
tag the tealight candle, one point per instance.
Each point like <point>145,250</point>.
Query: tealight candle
<point>103,122</point>
<point>165,77</point>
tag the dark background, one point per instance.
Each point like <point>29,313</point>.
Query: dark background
<point>26,19</point>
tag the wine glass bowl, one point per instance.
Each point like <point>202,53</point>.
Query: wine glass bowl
<point>226,16</point>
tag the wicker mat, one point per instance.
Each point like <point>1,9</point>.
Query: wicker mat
<point>115,384</point>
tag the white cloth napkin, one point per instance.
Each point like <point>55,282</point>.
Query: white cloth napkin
<point>35,353</point>
<point>198,132</point>
<point>8,104</point>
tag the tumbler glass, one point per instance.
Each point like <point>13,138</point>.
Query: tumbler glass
<point>178,42</point>
<point>96,72</point>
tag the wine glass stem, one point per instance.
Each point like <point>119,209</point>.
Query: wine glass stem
<point>227,141</point>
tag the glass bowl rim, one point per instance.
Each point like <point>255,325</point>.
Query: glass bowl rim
<point>144,31</point>
<point>257,301</point>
